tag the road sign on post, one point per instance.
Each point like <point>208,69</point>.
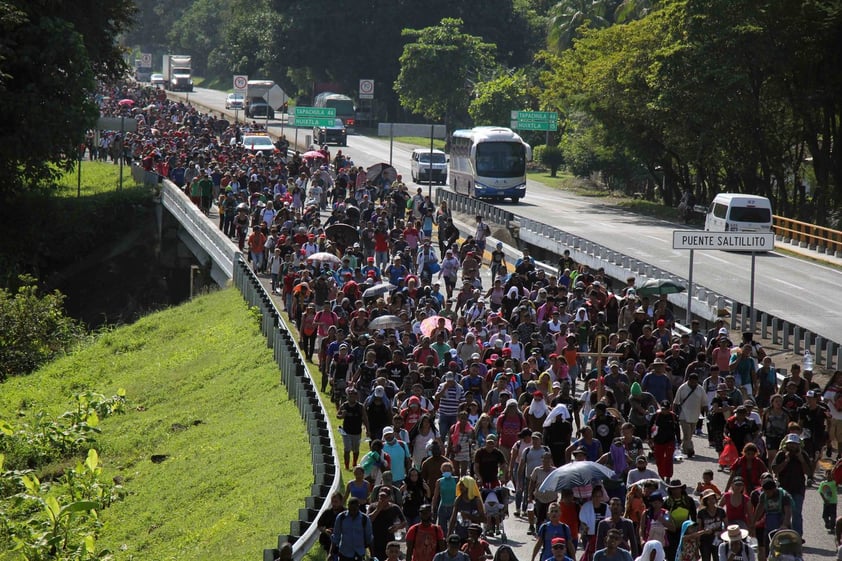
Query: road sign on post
<point>753,242</point>
<point>534,120</point>
<point>321,112</point>
<point>366,89</point>
<point>731,241</point>
<point>240,84</point>
<point>297,121</point>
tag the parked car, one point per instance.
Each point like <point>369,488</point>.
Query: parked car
<point>234,101</point>
<point>157,80</point>
<point>257,108</point>
<point>335,133</point>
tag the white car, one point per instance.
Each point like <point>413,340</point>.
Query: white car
<point>255,143</point>
<point>234,101</point>
<point>157,80</point>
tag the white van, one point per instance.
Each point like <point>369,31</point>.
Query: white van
<point>735,212</point>
<point>421,169</point>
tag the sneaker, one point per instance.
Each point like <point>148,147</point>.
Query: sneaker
<point>517,514</point>
<point>531,530</point>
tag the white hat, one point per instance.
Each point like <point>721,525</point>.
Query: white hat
<point>723,331</point>
<point>388,430</point>
<point>379,391</point>
<point>734,533</point>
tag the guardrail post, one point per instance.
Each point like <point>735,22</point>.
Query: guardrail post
<point>776,323</point>
<point>744,322</point>
<point>764,331</point>
<point>838,357</point>
<point>819,349</point>
<point>796,339</point>
<point>808,337</point>
<point>785,334</point>
<point>734,309</point>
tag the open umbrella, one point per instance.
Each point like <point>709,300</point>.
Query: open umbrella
<point>386,322</point>
<point>342,234</point>
<point>125,102</point>
<point>324,257</point>
<point>380,172</point>
<point>430,323</point>
<point>662,486</point>
<point>575,474</point>
<point>656,287</point>
<point>312,154</point>
<point>378,290</point>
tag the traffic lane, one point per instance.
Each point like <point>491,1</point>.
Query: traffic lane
<point>649,240</point>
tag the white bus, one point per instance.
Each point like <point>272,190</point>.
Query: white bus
<point>489,163</point>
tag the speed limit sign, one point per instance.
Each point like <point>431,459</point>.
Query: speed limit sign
<point>240,83</point>
<point>366,89</point>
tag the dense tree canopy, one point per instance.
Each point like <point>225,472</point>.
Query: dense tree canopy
<point>457,60</point>
<point>51,52</point>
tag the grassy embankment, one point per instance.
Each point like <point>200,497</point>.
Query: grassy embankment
<point>203,391</point>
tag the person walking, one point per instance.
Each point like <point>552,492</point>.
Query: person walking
<point>664,430</point>
<point>690,403</point>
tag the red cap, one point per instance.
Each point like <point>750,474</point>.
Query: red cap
<point>507,351</point>
<point>311,236</point>
<point>558,541</point>
<point>538,394</point>
<point>370,259</point>
<point>553,355</point>
<point>371,274</point>
<point>661,323</point>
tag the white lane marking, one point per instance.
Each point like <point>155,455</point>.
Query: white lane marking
<point>792,285</point>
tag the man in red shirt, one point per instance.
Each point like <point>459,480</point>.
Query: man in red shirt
<point>425,539</point>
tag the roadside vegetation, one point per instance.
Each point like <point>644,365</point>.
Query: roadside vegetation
<point>168,439</point>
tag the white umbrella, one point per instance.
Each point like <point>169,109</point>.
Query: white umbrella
<point>325,257</point>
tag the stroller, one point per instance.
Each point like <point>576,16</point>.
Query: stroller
<point>496,504</point>
<point>785,545</point>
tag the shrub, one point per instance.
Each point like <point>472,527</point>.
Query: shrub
<point>33,329</point>
<point>552,157</point>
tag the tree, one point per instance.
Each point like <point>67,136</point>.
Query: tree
<point>568,16</point>
<point>33,329</point>
<point>50,55</point>
<point>439,70</point>
<point>494,100</point>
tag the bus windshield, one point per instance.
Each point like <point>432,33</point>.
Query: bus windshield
<point>501,159</point>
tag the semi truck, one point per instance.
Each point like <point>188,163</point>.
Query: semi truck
<point>177,73</point>
<point>343,104</point>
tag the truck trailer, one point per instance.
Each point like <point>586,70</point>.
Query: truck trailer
<point>177,73</point>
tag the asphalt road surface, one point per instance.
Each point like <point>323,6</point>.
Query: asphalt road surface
<point>802,292</point>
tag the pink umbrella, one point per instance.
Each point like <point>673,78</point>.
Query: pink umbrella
<point>125,102</point>
<point>312,154</point>
<point>429,324</point>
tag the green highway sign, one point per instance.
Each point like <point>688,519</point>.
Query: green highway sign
<point>312,121</point>
<point>534,125</point>
<point>534,120</point>
<point>315,112</point>
<point>541,116</point>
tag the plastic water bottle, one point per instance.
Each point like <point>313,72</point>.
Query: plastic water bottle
<point>807,363</point>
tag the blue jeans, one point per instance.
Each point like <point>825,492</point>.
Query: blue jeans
<point>444,513</point>
<point>445,422</point>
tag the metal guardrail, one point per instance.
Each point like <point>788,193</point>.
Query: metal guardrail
<point>302,390</point>
<point>294,374</point>
<point>468,205</point>
<point>706,303</point>
<point>818,238</point>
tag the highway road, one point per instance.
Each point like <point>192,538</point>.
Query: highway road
<point>805,293</point>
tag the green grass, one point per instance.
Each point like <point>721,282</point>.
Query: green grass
<point>237,473</point>
<point>587,188</point>
<point>97,177</point>
<point>421,141</point>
